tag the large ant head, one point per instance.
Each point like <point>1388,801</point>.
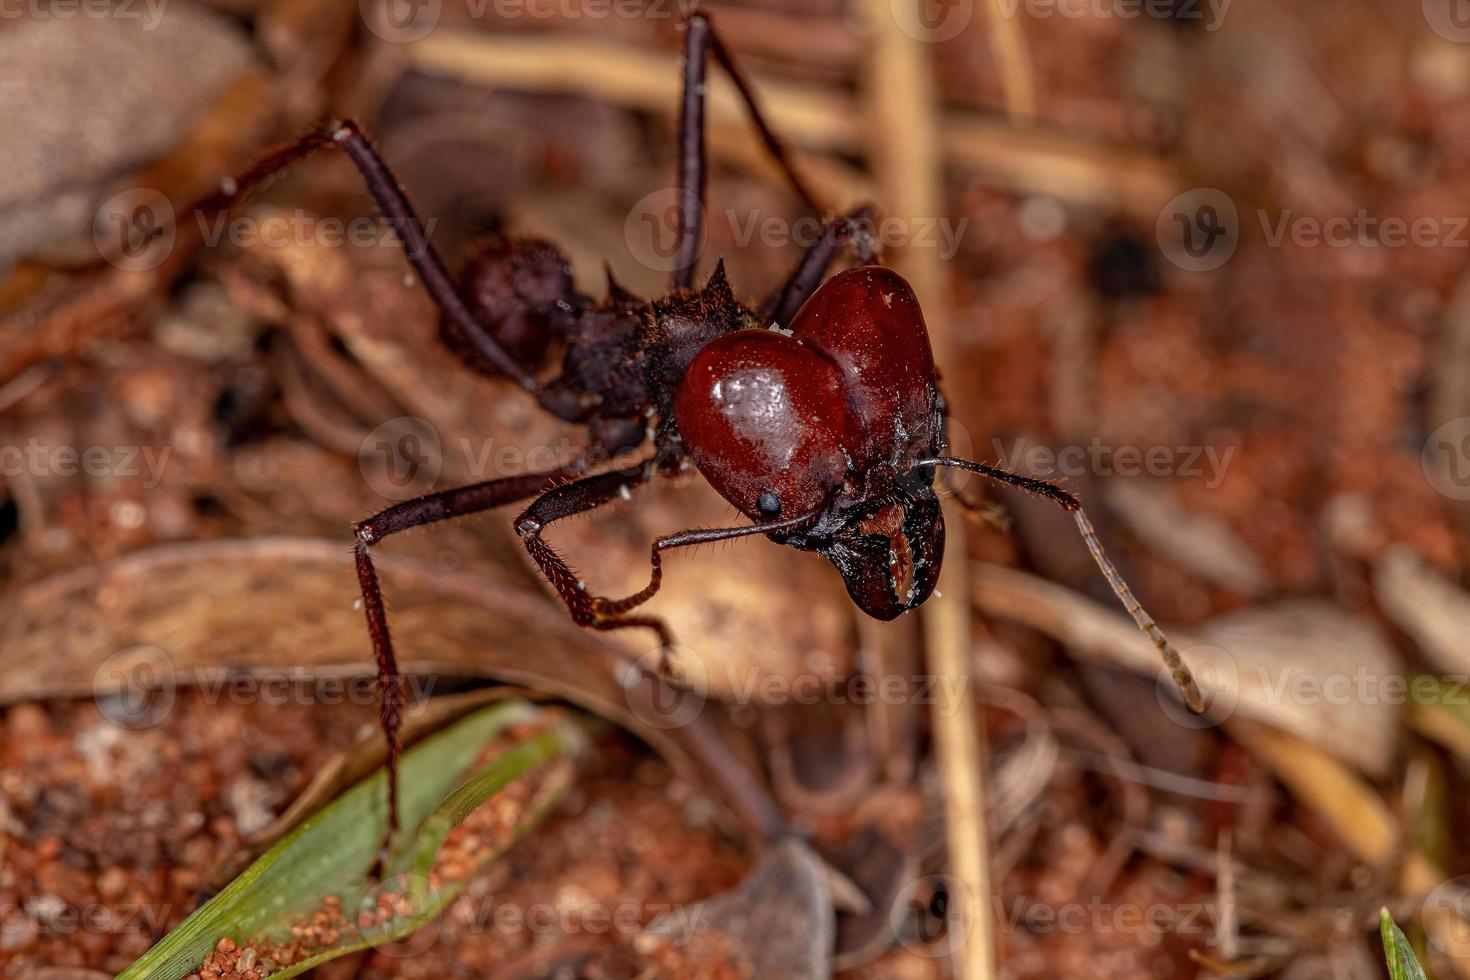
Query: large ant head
<point>889,553</point>
<point>825,420</point>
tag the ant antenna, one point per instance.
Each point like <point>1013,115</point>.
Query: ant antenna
<point>1069,502</point>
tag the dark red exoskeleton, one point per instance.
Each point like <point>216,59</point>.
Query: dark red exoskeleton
<point>817,414</point>
<point>840,417</point>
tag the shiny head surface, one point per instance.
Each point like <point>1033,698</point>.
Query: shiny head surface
<point>826,418</point>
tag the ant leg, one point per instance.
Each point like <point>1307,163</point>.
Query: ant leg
<point>619,607</point>
<point>700,41</point>
<point>1070,503</point>
<point>424,510</point>
<point>568,500</point>
<point>385,189</point>
<point>782,306</point>
<point>597,612</point>
<point>984,511</point>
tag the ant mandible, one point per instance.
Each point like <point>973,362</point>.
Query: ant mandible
<point>827,434</point>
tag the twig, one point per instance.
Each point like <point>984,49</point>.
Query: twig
<point>902,118</point>
<point>1008,41</point>
<point>822,120</point>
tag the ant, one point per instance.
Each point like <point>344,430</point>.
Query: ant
<point>818,415</point>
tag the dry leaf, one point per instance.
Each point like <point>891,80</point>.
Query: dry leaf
<point>1303,665</point>
<point>780,918</point>
<point>745,614</point>
<point>1430,608</point>
<point>287,605</point>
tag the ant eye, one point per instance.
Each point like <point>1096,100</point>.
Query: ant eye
<point>769,504</point>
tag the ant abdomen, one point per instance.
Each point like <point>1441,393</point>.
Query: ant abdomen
<point>513,286</point>
<point>521,289</point>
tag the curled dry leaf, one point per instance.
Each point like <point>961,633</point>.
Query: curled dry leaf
<point>744,614</point>
<point>1303,666</point>
<point>193,613</point>
<point>1430,608</point>
<point>766,613</point>
<point>1316,671</point>
<point>1019,774</point>
<point>882,869</point>
<point>825,767</point>
<point>779,920</point>
<point>369,299</point>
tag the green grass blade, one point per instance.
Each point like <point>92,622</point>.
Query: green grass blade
<point>322,866</point>
<point>1402,963</point>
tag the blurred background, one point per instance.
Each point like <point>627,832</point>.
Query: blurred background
<point>1202,260</point>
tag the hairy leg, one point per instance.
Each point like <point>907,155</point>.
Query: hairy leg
<point>565,501</point>
<point>417,513</point>
<point>984,511</point>
<point>805,278</point>
<point>598,612</point>
<point>708,535</point>
<point>385,189</point>
<point>700,41</point>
